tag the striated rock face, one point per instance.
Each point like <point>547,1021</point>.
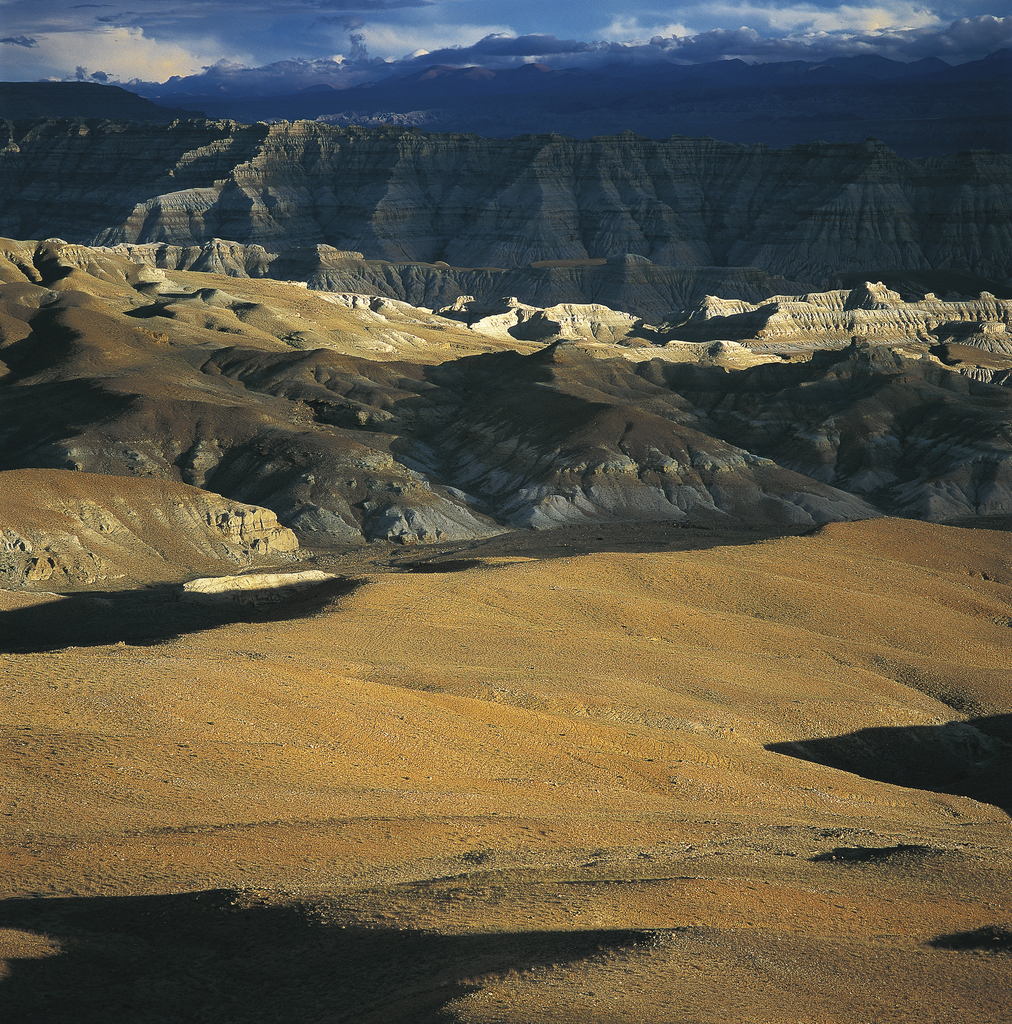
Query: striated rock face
<point>870,311</point>
<point>233,259</point>
<point>59,528</point>
<point>804,213</point>
<point>558,438</point>
<point>511,318</point>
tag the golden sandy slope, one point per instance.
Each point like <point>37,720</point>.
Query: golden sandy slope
<point>528,790</point>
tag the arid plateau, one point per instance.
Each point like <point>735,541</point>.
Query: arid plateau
<point>377,652</point>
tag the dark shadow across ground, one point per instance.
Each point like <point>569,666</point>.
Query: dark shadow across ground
<point>218,956</point>
<point>150,616</point>
<point>971,758</point>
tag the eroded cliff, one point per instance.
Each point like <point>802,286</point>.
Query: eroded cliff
<point>65,530</point>
<point>869,311</point>
<point>804,213</point>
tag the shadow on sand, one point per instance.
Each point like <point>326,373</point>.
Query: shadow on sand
<point>150,616</point>
<point>992,938</point>
<point>971,758</point>
<point>211,956</point>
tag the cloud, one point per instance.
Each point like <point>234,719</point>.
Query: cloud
<point>286,45</point>
<point>225,78</point>
<point>630,30</point>
<point>966,39</point>
<point>500,45</point>
<point>393,41</point>
<point>811,16</point>
<point>126,53</point>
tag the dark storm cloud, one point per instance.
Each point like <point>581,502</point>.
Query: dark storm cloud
<point>962,40</point>
<point>965,39</point>
<point>19,41</point>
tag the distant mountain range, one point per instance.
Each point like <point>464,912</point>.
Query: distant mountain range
<point>919,109</point>
<point>924,108</point>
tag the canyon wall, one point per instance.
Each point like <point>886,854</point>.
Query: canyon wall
<point>804,213</point>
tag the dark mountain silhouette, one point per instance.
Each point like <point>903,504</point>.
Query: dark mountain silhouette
<point>922,108</point>
<point>20,101</point>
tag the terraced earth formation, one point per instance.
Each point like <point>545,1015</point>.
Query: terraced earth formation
<point>356,418</point>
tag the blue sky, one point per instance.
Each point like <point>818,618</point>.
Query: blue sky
<point>296,42</point>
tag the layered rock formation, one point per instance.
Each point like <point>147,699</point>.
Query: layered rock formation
<point>398,194</point>
<point>624,282</point>
<point>869,311</point>
<point>65,530</point>
<point>511,318</point>
<point>892,425</point>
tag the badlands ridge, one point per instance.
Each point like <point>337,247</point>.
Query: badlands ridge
<point>357,418</point>
<point>804,213</point>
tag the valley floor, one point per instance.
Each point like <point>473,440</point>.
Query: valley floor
<point>594,775</point>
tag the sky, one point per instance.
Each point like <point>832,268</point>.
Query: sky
<point>286,45</point>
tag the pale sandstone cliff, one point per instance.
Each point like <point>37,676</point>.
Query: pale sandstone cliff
<point>805,212</point>
<point>510,318</point>
<point>868,312</point>
<point>64,529</point>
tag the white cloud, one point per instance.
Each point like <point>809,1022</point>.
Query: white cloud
<point>632,30</point>
<point>398,41</point>
<point>810,17</point>
<point>122,53</point>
